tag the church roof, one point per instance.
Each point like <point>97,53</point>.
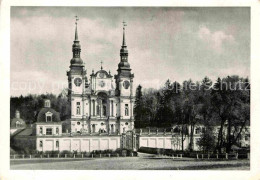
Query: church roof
<point>102,71</point>
<point>15,120</point>
<point>42,118</point>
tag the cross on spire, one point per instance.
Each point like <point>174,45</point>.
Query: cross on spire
<point>76,20</point>
<point>76,31</point>
<point>101,62</point>
<point>124,24</point>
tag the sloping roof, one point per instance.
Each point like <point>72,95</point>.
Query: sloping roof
<point>42,118</point>
<point>26,132</point>
<point>16,132</point>
<point>23,132</point>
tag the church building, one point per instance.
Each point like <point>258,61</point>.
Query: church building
<point>101,103</point>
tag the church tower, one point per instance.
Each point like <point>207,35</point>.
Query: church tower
<point>124,88</point>
<point>97,106</point>
<point>77,81</point>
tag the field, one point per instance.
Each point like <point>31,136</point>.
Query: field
<point>143,162</point>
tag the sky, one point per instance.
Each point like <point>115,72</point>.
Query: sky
<point>163,43</point>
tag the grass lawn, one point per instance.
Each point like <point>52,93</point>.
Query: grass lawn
<point>143,162</point>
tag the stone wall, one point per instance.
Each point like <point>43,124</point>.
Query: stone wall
<point>79,144</point>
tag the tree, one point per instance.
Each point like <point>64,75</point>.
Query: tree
<point>192,106</point>
<point>207,141</point>
<point>151,105</point>
<point>230,100</point>
<point>138,108</point>
<point>31,104</point>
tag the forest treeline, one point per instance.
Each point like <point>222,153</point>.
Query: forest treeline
<point>225,102</point>
<point>31,104</point>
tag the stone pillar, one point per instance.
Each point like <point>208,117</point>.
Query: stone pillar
<point>101,109</point>
<point>134,142</point>
<point>94,108</point>
<point>92,105</point>
<point>112,108</point>
<point>83,104</point>
<point>124,140</point>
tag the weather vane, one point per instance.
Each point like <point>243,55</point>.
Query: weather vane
<point>76,19</point>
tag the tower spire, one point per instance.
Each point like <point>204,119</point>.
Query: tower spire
<point>124,42</point>
<point>76,48</point>
<point>76,30</point>
<point>123,50</point>
<point>101,62</point>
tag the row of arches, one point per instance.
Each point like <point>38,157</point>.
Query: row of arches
<point>112,128</point>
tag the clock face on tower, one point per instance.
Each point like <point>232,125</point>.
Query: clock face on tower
<point>101,84</point>
<point>77,81</point>
<point>126,84</point>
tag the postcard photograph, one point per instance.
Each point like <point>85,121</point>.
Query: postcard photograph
<point>129,88</point>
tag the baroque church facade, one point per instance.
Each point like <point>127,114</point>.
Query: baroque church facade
<point>100,103</point>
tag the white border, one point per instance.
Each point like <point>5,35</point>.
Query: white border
<point>6,173</point>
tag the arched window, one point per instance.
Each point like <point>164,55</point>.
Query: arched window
<point>126,110</point>
<point>104,110</point>
<point>41,143</point>
<point>57,144</point>
<point>48,116</point>
<point>98,110</point>
<point>57,130</point>
<point>93,128</point>
<point>40,130</point>
<point>93,102</point>
<point>112,108</point>
<point>112,128</point>
<point>78,110</point>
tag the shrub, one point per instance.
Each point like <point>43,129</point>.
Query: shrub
<point>150,150</point>
<point>65,152</point>
<point>162,151</point>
